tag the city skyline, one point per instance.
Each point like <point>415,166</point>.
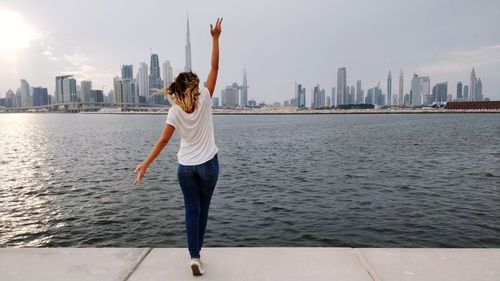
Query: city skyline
<point>58,49</point>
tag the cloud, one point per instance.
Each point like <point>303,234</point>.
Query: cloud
<point>485,57</point>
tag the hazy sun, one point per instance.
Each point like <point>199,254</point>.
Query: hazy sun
<point>15,32</point>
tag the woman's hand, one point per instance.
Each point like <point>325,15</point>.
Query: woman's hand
<point>141,170</point>
<point>216,31</point>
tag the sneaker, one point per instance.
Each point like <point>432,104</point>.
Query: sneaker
<point>196,267</point>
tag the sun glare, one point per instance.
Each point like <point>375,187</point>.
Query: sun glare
<point>15,32</point>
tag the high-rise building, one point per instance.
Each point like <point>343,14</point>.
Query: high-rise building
<point>459,90</point>
<point>168,77</point>
<point>10,99</point>
<point>374,96</point>
<point>359,93</point>
<point>215,102</point>
<point>473,83</point>
<point>155,82</point>
<point>401,88</point>
<point>440,92</point>
<point>143,81</point>
<point>466,92</point>
<point>244,90</point>
<point>59,93</point>
<point>40,96</point>
<point>86,89</point>
<point>25,94</point>
<point>389,89</point>
<point>334,94</point>
<point>130,93</point>
<point>96,96</point>
<point>127,71</point>
<point>341,85</point>
<point>188,66</point>
<point>301,96</point>
<point>479,90</point>
<point>420,88</point>
<point>69,90</point>
<point>229,96</point>
<point>118,90</point>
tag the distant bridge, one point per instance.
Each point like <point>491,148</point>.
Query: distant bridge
<point>86,106</point>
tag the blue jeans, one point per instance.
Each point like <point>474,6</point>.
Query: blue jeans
<point>197,184</point>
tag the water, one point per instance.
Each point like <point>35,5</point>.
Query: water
<point>335,180</point>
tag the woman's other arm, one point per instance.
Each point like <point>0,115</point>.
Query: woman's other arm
<point>168,130</point>
<point>214,69</point>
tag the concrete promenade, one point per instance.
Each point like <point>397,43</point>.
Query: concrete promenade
<point>245,264</point>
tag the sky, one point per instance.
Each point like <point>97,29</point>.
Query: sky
<point>279,42</point>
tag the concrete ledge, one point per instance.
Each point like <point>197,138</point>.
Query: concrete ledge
<point>244,264</point>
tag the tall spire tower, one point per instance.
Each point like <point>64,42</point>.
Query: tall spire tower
<point>188,48</point>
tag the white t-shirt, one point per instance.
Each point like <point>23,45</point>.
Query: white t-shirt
<point>196,130</point>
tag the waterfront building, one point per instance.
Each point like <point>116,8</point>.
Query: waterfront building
<point>127,71</point>
<point>401,88</point>
<point>168,76</point>
<point>26,99</point>
<point>389,88</point>
<point>466,92</point>
<point>341,85</point>
<point>143,81</point>
<point>130,93</point>
<point>215,102</point>
<point>65,89</point>
<point>229,96</point>
<point>10,99</point>
<point>85,90</point>
<point>188,66</point>
<point>318,98</point>
<point>459,90</point>
<point>333,95</point>
<point>328,101</point>
<point>479,90</point>
<point>96,96</point>
<point>118,90</point>
<point>473,84</point>
<point>155,82</point>
<point>420,88</point>
<point>40,96</point>
<point>244,89</point>
<point>440,92</point>
<point>359,93</point>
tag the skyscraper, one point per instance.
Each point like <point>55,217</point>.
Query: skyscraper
<point>401,88</point>
<point>420,88</point>
<point>86,89</point>
<point>440,92</point>
<point>127,71</point>
<point>40,96</point>
<point>155,82</point>
<point>466,92</point>
<point>118,89</point>
<point>359,93</point>
<point>459,90</point>
<point>229,96</point>
<point>244,89</point>
<point>143,81</point>
<point>62,94</point>
<point>25,94</point>
<point>389,89</point>
<point>479,90</point>
<point>334,94</point>
<point>341,85</point>
<point>167,74</point>
<point>188,48</point>
<point>472,87</point>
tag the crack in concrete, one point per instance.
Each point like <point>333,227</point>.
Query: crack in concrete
<point>366,265</point>
<point>138,263</point>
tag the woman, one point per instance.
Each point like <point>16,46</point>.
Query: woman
<point>198,168</point>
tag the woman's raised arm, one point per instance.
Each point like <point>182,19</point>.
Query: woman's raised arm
<point>214,69</point>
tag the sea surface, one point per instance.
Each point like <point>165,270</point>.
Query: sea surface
<point>409,180</point>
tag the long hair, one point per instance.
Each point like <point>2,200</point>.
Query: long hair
<point>184,91</point>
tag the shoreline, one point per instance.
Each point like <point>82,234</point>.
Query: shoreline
<point>284,112</point>
<point>252,263</point>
